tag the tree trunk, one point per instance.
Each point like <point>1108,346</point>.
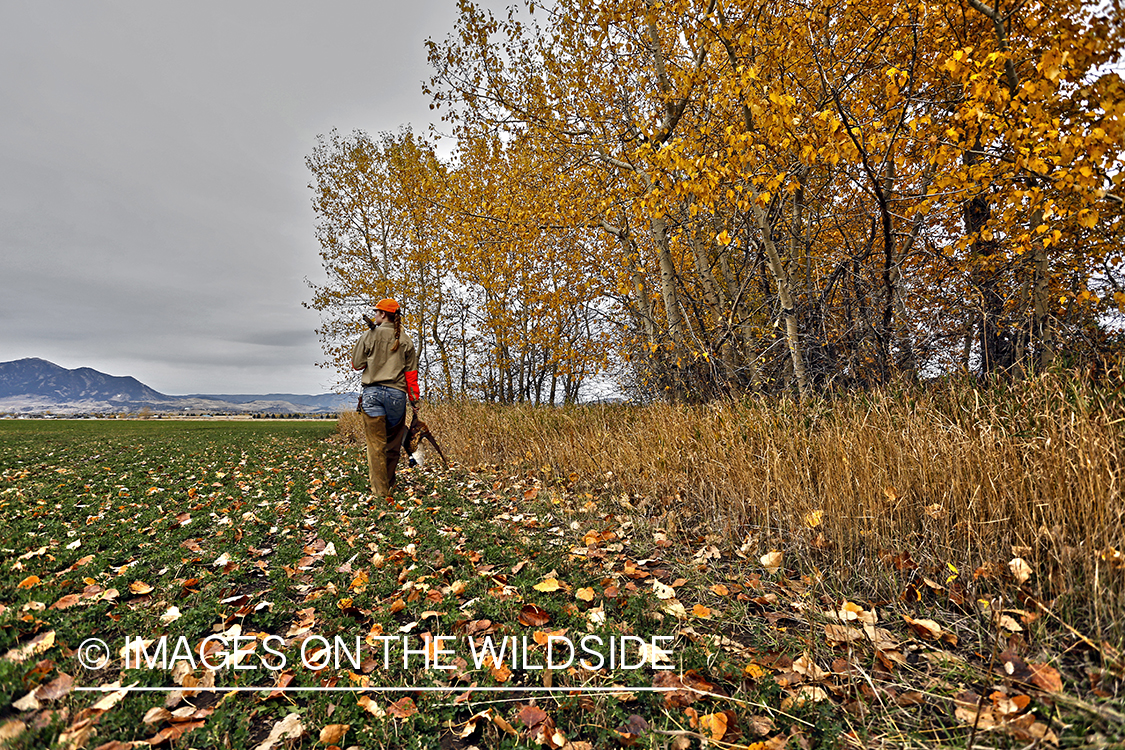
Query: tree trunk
<point>785,296</point>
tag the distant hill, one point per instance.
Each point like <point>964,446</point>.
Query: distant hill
<point>30,386</point>
<point>38,377</point>
<point>330,401</point>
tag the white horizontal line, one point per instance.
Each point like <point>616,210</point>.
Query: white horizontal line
<point>106,689</point>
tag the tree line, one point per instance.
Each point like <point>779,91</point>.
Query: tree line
<point>704,197</point>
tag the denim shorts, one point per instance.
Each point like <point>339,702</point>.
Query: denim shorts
<point>384,401</point>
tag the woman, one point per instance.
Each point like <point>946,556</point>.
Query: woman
<point>390,376</point>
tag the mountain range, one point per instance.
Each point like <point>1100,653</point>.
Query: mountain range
<point>35,386</point>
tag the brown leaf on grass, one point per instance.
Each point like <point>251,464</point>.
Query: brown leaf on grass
<point>109,701</point>
<point>543,637</point>
<point>970,710</point>
<point>283,681</point>
<point>140,587</point>
<point>1009,706</point>
<point>56,688</point>
<point>66,602</point>
<point>11,729</point>
<point>156,715</point>
<point>1021,571</point>
<point>501,672</point>
<point>663,591</point>
<point>676,696</point>
<point>479,626</point>
<point>714,724</point>
<point>289,728</point>
<point>501,722</point>
<point>530,716</point>
<point>760,725</point>
<point>371,707</point>
<point>470,724</point>
<point>36,645</point>
<point>28,582</point>
<point>772,561</point>
<point>27,703</point>
<point>174,732</point>
<point>306,618</point>
<point>930,630</point>
<point>585,594</point>
<point>359,582</point>
<point>1011,665</point>
<point>533,616</point>
<point>403,708</point>
<point>1046,677</point>
<point>807,694</point>
<point>807,667</point>
<point>842,634</point>
<point>548,585</point>
<point>633,728</point>
<point>334,733</point>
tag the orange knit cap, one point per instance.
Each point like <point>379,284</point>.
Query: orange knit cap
<point>387,305</point>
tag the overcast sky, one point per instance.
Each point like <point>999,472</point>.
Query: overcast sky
<point>155,219</point>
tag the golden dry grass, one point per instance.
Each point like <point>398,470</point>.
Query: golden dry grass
<point>952,474</point>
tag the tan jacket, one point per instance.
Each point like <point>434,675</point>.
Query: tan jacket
<point>380,365</point>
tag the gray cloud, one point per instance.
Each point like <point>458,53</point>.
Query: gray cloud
<point>154,214</point>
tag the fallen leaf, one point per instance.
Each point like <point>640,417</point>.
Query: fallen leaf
<point>56,688</point>
<point>371,707</point>
<point>170,616</point>
<point>760,724</point>
<point>500,672</point>
<point>66,602</point>
<point>548,585</point>
<point>9,730</point>
<point>27,703</point>
<point>289,728</point>
<point>36,645</point>
<point>534,616</point>
<point>140,587</point>
<point>403,708</point>
<point>501,722</point>
<point>1046,677</point>
<point>772,561</point>
<point>837,634</point>
<point>156,714</point>
<point>173,732</point>
<point>714,724</point>
<point>28,582</point>
<point>1008,623</point>
<point>1020,569</point>
<point>109,701</point>
<point>585,594</point>
<point>334,733</point>
<point>530,716</point>
<point>929,630</point>
<point>807,694</point>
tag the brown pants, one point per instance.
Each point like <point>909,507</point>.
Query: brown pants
<point>383,452</point>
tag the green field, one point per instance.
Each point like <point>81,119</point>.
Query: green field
<point>203,538</point>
